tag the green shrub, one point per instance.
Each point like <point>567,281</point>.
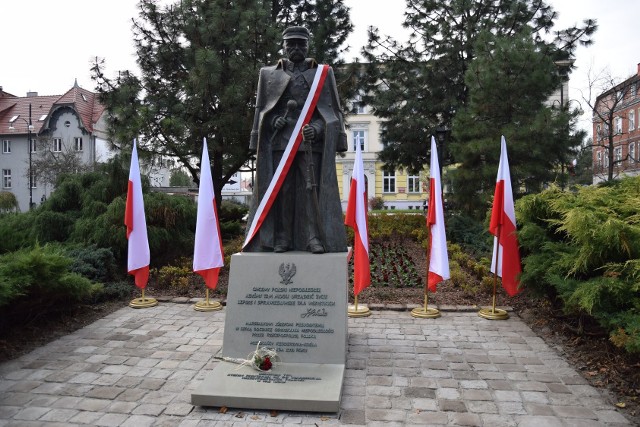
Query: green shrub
<point>470,234</point>
<point>115,291</point>
<point>16,231</point>
<point>51,226</point>
<point>384,226</point>
<point>231,247</point>
<point>376,203</point>
<point>583,247</point>
<point>41,276</point>
<point>178,277</point>
<point>94,263</point>
<point>231,211</point>
<point>8,202</point>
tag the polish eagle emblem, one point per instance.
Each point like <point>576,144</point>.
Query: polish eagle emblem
<point>287,271</point>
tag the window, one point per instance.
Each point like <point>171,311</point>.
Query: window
<point>57,145</point>
<point>34,146</point>
<point>598,132</point>
<point>359,137</point>
<point>33,180</point>
<point>389,182</point>
<point>6,146</point>
<point>6,178</point>
<point>632,152</point>
<point>599,159</point>
<point>617,154</point>
<point>618,125</point>
<point>358,106</point>
<point>605,157</point>
<point>413,182</point>
<point>78,143</point>
<point>632,120</point>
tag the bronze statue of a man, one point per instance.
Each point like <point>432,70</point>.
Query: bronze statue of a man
<point>298,128</point>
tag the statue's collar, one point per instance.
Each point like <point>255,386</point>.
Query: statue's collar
<point>307,64</point>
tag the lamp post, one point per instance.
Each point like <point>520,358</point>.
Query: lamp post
<point>29,129</point>
<point>30,148</point>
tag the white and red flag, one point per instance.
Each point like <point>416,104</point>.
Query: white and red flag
<point>289,153</point>
<point>356,218</point>
<point>138,254</point>
<point>438,258</point>
<point>207,255</point>
<point>503,226</point>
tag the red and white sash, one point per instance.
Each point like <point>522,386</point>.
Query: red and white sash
<point>289,153</point>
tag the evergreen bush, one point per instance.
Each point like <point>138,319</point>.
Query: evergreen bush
<point>16,231</point>
<point>94,263</point>
<point>8,202</point>
<point>41,276</point>
<point>582,247</point>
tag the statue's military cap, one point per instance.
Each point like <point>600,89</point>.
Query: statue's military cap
<point>295,33</point>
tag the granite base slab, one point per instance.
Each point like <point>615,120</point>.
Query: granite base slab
<point>306,387</point>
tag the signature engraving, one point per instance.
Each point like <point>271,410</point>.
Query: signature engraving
<point>315,312</point>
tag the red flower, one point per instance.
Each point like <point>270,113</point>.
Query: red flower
<point>266,364</point>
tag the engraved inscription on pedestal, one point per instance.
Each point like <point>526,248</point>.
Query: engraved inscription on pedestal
<point>294,303</point>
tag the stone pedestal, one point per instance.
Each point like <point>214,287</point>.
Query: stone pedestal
<point>296,304</point>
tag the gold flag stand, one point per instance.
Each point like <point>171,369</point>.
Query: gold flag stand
<point>425,312</point>
<point>143,302</point>
<point>207,305</point>
<point>355,311</point>
<point>494,313</point>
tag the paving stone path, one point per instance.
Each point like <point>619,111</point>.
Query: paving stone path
<point>138,368</point>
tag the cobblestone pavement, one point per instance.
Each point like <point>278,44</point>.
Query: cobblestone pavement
<point>138,368</point>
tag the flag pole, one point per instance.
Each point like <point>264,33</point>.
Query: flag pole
<point>495,313</point>
<point>355,311</point>
<point>143,302</point>
<point>207,305</point>
<point>425,312</point>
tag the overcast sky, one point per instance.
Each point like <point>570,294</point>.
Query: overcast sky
<point>47,44</point>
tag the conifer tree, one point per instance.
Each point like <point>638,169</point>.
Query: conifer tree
<point>418,85</point>
<point>199,62</point>
<point>507,96</point>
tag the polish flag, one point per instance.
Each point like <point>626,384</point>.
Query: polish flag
<point>356,218</point>
<point>138,255</point>
<point>207,254</point>
<point>438,259</point>
<point>503,227</point>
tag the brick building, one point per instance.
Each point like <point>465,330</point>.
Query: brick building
<point>616,131</point>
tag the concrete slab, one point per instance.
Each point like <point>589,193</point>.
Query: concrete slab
<point>290,387</point>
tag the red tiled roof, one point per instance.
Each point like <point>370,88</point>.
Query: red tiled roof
<point>9,107</point>
<point>84,102</point>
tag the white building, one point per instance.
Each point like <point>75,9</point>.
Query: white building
<point>71,124</point>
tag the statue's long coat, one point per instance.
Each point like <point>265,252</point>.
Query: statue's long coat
<point>272,84</point>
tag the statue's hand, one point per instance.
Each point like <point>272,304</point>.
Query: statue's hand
<point>308,133</point>
<point>279,123</point>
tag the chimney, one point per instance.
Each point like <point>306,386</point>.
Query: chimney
<point>32,94</point>
<point>638,71</point>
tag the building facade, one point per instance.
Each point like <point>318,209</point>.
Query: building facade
<point>399,190</point>
<point>616,130</point>
<point>66,128</point>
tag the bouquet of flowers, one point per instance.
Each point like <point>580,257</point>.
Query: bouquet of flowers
<point>262,359</point>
